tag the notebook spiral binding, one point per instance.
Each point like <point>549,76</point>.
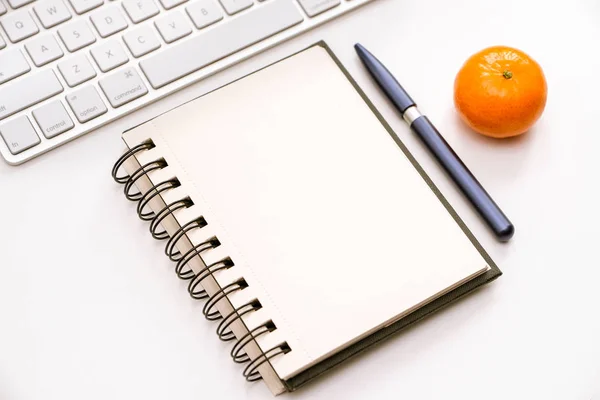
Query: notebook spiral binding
<point>181,260</point>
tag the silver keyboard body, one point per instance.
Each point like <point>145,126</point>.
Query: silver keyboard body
<point>56,95</point>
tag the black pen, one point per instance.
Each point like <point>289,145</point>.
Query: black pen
<point>420,124</point>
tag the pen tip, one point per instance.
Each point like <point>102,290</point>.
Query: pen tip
<point>360,50</point>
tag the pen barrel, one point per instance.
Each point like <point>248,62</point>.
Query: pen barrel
<point>463,178</point>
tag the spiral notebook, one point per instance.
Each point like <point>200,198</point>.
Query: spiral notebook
<point>298,217</point>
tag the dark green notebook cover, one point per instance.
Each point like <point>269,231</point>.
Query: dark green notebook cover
<point>493,273</point>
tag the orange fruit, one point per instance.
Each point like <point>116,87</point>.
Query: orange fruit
<point>500,92</point>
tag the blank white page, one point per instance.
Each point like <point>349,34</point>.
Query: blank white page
<point>335,231</point>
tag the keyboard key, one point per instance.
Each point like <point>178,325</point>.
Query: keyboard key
<point>28,91</point>
<point>108,21</point>
<point>53,119</point>
<point>316,7</point>
<point>123,86</point>
<point>76,35</point>
<point>173,26</point>
<point>2,43</point>
<point>167,4</point>
<point>76,70</point>
<point>204,13</point>
<point>2,9</point>
<point>141,41</point>
<point>83,6</point>
<point>86,104</point>
<point>235,6</point>
<point>19,25</point>
<point>18,3</point>
<point>51,12</point>
<point>12,64</point>
<point>140,10</point>
<point>220,41</point>
<point>109,55</point>
<point>43,50</point>
<point>19,135</point>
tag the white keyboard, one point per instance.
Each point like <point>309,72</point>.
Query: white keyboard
<point>70,66</point>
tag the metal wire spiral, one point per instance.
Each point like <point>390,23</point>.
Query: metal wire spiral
<point>164,213</point>
<point>154,191</point>
<point>238,354</point>
<point>223,331</point>
<point>141,171</point>
<point>195,288</point>
<point>182,268</point>
<point>171,248</point>
<point>251,372</point>
<point>219,295</point>
<point>147,145</point>
<point>185,272</point>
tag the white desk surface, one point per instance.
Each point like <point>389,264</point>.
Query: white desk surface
<point>90,308</point>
